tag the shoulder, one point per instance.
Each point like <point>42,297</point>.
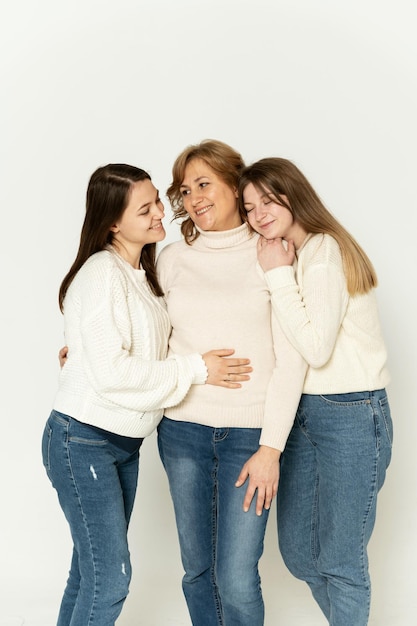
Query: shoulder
<point>104,258</point>
<point>170,251</point>
<point>99,269</point>
<point>321,248</point>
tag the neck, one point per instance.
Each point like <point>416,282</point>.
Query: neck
<point>298,235</point>
<point>130,254</point>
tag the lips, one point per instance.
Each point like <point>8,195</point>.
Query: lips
<point>266,225</point>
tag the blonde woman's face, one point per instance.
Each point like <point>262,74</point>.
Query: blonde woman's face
<point>208,200</point>
<point>266,215</point>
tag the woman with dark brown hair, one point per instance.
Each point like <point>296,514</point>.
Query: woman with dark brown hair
<point>114,384</point>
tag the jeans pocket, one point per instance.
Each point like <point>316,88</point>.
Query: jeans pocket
<point>386,415</point>
<point>46,447</point>
<point>346,399</point>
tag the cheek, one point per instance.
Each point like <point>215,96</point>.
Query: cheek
<point>186,203</point>
<point>251,219</point>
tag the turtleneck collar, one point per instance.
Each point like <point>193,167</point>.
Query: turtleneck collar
<point>224,238</point>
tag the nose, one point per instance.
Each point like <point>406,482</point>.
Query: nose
<point>259,212</point>
<point>159,210</point>
<point>195,197</point>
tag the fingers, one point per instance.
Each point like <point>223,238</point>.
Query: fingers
<point>62,356</point>
<point>226,372</point>
<point>222,352</point>
<point>238,368</point>
<point>229,380</point>
<point>261,472</point>
<point>264,497</point>
<point>264,493</point>
<point>235,377</point>
<point>237,362</point>
<point>266,501</point>
<point>242,477</point>
<point>228,361</point>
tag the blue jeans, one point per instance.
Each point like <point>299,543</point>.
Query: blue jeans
<point>220,544</point>
<point>332,468</point>
<point>96,484</point>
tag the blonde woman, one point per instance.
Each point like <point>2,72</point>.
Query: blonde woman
<point>323,294</point>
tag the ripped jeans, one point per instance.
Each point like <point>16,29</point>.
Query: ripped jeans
<point>95,475</point>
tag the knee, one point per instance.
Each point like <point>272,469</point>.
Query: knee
<point>239,589</point>
<point>297,561</point>
<point>115,588</point>
<point>241,600</point>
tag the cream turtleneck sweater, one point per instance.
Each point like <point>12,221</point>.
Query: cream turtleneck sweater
<point>217,297</point>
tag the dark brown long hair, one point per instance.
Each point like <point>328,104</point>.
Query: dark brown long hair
<point>223,160</point>
<point>281,177</point>
<point>108,195</point>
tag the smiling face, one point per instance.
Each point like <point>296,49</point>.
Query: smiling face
<point>208,200</point>
<point>140,223</point>
<point>269,217</point>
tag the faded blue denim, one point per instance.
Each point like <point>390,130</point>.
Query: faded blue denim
<point>332,468</point>
<point>220,544</point>
<point>96,484</point>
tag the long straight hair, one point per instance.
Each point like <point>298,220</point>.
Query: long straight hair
<point>223,160</point>
<point>281,177</point>
<point>108,195</point>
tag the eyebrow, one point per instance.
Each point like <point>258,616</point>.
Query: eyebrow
<point>144,206</point>
<point>195,180</point>
<point>264,195</point>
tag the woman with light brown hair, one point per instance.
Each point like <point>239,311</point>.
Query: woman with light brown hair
<point>221,450</point>
<point>322,286</point>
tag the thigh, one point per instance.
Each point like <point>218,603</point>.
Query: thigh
<point>240,535</point>
<point>128,471</point>
<point>187,453</point>
<point>345,431</point>
<point>297,498</point>
<point>85,472</point>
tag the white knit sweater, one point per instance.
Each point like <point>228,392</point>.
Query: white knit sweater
<point>117,376</point>
<point>217,297</point>
<point>338,335</point>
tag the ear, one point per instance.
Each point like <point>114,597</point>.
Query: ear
<point>114,228</point>
<point>235,191</point>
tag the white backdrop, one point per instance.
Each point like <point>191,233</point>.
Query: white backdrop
<point>329,84</point>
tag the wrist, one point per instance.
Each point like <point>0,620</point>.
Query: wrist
<point>273,453</point>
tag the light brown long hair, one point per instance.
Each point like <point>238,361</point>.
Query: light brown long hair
<point>281,177</point>
<point>108,195</point>
<point>223,160</point>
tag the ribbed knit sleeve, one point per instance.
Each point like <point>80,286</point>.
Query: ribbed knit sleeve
<point>311,309</point>
<point>138,381</point>
<point>339,335</point>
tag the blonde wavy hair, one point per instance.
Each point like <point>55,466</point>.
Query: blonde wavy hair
<point>223,160</point>
<point>282,178</point>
